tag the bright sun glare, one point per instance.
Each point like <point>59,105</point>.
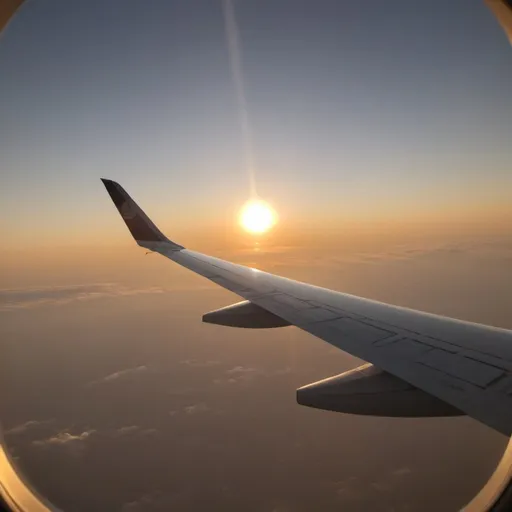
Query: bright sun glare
<point>257,216</point>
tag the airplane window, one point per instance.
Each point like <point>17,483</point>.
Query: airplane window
<point>373,158</point>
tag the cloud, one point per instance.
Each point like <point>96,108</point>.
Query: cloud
<point>192,409</point>
<point>65,439</point>
<point>196,408</point>
<point>134,429</point>
<point>241,370</point>
<point>240,374</point>
<point>121,374</point>
<point>124,373</point>
<point>128,430</point>
<point>355,489</point>
<point>497,248</point>
<point>151,501</point>
<point>28,425</point>
<point>401,472</point>
<point>348,489</point>
<point>29,298</point>
<point>142,503</point>
<point>76,442</point>
<point>247,374</point>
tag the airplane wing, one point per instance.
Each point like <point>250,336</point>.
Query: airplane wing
<point>456,367</point>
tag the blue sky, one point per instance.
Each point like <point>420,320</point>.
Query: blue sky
<point>355,108</point>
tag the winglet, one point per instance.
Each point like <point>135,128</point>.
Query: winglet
<point>502,9</point>
<point>140,225</point>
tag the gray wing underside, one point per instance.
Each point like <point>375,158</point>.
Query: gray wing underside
<point>469,366</point>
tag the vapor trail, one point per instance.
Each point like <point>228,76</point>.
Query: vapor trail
<point>235,58</point>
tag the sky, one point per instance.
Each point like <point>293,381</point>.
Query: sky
<point>379,132</point>
<point>359,113</point>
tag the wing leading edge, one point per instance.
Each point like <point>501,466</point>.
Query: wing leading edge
<point>466,365</point>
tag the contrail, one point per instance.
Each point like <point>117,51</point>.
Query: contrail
<point>234,48</point>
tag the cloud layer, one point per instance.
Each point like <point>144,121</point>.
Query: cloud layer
<point>29,298</point>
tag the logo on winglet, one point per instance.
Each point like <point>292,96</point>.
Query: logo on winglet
<point>127,211</point>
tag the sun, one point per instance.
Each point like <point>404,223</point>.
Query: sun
<point>257,216</point>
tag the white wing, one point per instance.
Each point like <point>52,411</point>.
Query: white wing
<point>466,365</point>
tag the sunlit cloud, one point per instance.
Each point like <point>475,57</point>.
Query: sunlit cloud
<point>27,426</point>
<point>124,373</point>
<point>128,430</point>
<point>65,438</point>
<point>121,374</point>
<point>241,370</point>
<point>239,374</point>
<point>196,408</point>
<point>134,430</point>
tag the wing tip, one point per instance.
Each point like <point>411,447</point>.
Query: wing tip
<point>109,183</point>
<point>502,10</point>
<point>139,224</point>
